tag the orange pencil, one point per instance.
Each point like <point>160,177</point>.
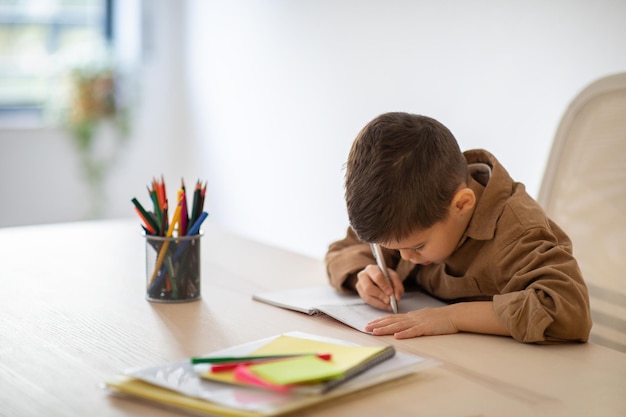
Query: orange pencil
<point>145,222</point>
<point>162,188</point>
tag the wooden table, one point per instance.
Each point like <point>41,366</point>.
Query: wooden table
<point>74,314</point>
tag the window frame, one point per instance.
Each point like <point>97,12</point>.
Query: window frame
<point>25,114</point>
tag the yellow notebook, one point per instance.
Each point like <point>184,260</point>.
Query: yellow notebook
<point>179,384</point>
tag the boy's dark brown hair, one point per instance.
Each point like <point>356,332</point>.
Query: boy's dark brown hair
<point>401,175</point>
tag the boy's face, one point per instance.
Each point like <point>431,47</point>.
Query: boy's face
<point>437,243</point>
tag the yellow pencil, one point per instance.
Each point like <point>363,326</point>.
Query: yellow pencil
<point>170,232</point>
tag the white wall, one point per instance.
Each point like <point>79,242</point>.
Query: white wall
<point>279,89</point>
<point>263,99</point>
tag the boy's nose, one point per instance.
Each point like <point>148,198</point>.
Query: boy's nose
<point>406,254</point>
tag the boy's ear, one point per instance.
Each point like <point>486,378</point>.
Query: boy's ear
<point>464,200</point>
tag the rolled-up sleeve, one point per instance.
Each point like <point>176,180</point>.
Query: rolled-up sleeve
<point>344,259</point>
<point>544,299</point>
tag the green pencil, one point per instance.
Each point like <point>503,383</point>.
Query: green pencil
<point>224,359</point>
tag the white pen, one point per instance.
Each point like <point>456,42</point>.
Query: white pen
<point>380,261</point>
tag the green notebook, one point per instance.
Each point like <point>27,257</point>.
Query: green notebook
<point>301,370</point>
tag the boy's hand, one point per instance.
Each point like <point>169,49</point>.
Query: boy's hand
<point>423,322</point>
<point>374,289</point>
<point>474,317</point>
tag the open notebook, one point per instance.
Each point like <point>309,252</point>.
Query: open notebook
<point>349,309</point>
<point>182,385</point>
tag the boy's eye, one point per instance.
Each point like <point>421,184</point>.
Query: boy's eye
<point>418,248</point>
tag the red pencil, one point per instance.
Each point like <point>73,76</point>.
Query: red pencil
<point>184,215</point>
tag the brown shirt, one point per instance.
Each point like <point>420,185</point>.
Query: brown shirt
<point>511,253</point>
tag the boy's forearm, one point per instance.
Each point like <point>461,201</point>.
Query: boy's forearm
<point>477,317</point>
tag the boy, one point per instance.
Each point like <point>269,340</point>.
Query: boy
<point>460,228</point>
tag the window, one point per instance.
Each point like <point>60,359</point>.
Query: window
<point>40,41</point>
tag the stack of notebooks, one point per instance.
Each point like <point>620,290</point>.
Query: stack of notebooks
<point>267,377</point>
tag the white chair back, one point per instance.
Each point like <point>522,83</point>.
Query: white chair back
<point>584,191</point>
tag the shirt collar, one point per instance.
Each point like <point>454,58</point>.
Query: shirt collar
<point>490,199</point>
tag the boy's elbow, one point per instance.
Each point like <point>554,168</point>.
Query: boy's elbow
<point>572,321</point>
<point>573,325</point>
<point>530,321</point>
<point>576,328</point>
